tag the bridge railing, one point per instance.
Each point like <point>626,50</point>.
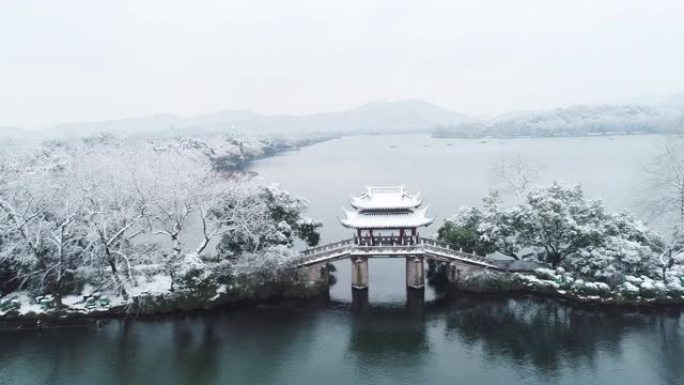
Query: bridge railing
<point>349,246</point>
<point>326,253</point>
<point>388,249</point>
<point>385,240</point>
<point>454,250</point>
<point>329,246</point>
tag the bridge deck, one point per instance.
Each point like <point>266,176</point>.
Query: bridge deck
<point>388,247</point>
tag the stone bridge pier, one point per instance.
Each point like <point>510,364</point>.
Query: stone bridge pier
<point>359,273</point>
<point>316,275</point>
<point>456,272</point>
<point>415,272</point>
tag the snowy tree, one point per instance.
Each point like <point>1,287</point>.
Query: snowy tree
<point>44,233</point>
<point>664,197</point>
<point>115,214</point>
<point>516,174</point>
<point>503,228</point>
<point>625,247</point>
<point>463,229</point>
<point>264,216</point>
<point>20,235</point>
<point>665,193</point>
<point>558,226</point>
<point>559,222</point>
<point>173,187</point>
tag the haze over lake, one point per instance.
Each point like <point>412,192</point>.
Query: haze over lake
<point>448,173</point>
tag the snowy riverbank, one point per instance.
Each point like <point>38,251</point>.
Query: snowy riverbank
<point>636,290</point>
<point>150,299</point>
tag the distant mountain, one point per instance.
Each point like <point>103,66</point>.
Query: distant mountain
<point>149,125</point>
<point>664,114</point>
<point>374,117</point>
<point>9,132</point>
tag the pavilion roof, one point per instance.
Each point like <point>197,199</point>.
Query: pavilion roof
<point>366,220</point>
<point>386,198</point>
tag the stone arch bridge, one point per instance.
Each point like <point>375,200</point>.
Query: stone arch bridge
<point>461,263</point>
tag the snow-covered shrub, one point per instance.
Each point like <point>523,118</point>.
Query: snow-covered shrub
<point>629,288</point>
<point>591,288</point>
<point>674,285</point>
<point>545,273</point>
<point>489,282</point>
<point>647,288</point>
<point>535,284</point>
<point>205,279</point>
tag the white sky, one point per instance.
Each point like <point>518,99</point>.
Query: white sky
<point>70,60</point>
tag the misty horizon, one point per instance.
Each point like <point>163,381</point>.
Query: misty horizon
<point>227,118</point>
<point>82,62</point>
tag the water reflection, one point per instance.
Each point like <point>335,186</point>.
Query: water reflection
<point>469,339</point>
<point>360,302</point>
<point>388,343</point>
<point>197,349</point>
<point>549,335</point>
<point>415,301</point>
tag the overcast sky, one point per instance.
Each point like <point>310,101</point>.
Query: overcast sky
<point>63,61</point>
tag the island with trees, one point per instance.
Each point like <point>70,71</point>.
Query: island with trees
<point>581,250</point>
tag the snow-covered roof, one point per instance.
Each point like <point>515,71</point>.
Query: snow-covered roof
<point>386,198</point>
<point>369,220</point>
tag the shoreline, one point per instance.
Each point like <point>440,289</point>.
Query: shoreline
<point>164,305</point>
<point>576,291</point>
<point>315,297</point>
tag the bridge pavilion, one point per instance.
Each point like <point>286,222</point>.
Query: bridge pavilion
<point>386,216</point>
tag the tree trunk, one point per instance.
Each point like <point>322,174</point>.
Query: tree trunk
<point>554,258</point>
<point>202,245</point>
<point>54,289</point>
<point>115,273</point>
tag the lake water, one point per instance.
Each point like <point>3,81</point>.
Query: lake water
<point>387,336</point>
<point>448,173</point>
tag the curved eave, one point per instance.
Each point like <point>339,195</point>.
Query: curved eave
<point>353,225</point>
<point>371,207</point>
<point>363,204</point>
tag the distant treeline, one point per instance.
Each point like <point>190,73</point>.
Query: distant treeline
<point>571,121</point>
